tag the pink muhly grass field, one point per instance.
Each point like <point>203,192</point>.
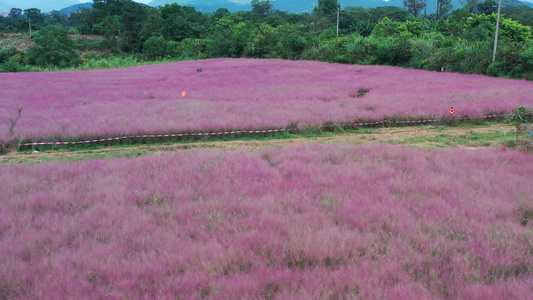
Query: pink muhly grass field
<point>224,94</point>
<point>312,222</point>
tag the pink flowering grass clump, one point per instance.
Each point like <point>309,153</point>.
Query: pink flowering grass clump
<point>226,94</point>
<point>312,222</point>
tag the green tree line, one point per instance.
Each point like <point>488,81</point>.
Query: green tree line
<point>457,40</point>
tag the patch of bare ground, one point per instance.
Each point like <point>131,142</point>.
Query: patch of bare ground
<point>20,41</point>
<point>411,136</point>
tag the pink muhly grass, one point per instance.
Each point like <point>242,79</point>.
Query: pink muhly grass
<point>318,221</point>
<point>239,94</point>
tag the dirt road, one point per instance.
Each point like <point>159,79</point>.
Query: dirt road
<point>423,136</point>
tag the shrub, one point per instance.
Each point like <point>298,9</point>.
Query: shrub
<point>53,47</point>
<point>188,49</point>
<point>518,117</point>
<point>155,47</point>
<point>524,69</point>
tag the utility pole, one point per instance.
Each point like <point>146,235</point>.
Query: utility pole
<point>338,16</point>
<point>497,28</point>
<point>30,25</point>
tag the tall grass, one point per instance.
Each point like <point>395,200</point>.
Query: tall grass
<point>239,94</point>
<point>313,222</point>
<point>111,62</point>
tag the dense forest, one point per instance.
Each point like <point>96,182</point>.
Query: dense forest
<point>455,39</point>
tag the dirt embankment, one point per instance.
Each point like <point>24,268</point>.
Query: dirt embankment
<point>23,41</point>
<point>20,41</point>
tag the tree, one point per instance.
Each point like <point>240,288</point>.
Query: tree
<point>487,7</point>
<point>482,27</point>
<point>15,13</point>
<point>85,19</point>
<point>261,7</point>
<point>152,26</point>
<point>293,40</point>
<point>220,13</point>
<point>230,36</point>
<point>469,5</point>
<point>154,48</point>
<point>54,47</point>
<point>109,7</point>
<point>35,16</point>
<point>414,6</point>
<point>386,28</point>
<point>392,12</point>
<point>181,22</point>
<point>57,18</point>
<point>443,7</point>
<point>3,23</point>
<point>133,15</point>
<point>110,27</point>
<point>326,7</point>
<point>262,41</point>
<point>118,20</point>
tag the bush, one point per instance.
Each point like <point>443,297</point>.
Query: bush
<point>155,47</point>
<point>422,50</point>
<point>188,49</point>
<point>53,47</point>
<point>524,69</point>
<point>356,50</point>
<point>293,40</point>
<point>394,51</point>
<point>92,55</point>
<point>329,50</point>
<point>472,58</point>
<point>12,66</point>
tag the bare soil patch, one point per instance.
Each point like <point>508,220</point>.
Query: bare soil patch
<point>391,135</point>
<point>20,41</point>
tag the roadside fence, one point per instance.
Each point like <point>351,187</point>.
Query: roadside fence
<point>243,131</point>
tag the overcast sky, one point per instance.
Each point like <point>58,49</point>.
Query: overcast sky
<point>247,1</point>
<point>239,1</point>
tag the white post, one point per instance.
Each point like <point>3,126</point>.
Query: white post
<point>496,35</point>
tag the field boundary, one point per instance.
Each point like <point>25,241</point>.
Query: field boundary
<point>384,121</point>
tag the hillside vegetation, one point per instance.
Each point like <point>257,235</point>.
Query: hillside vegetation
<point>458,40</point>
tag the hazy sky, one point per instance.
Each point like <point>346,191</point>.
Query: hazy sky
<point>239,1</point>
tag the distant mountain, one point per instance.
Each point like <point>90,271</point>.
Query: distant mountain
<point>74,8</point>
<point>213,5</point>
<point>206,5</point>
<point>303,6</point>
<point>43,5</point>
<point>157,3</point>
<point>294,6</point>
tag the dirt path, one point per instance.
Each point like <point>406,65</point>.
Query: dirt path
<point>401,135</point>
